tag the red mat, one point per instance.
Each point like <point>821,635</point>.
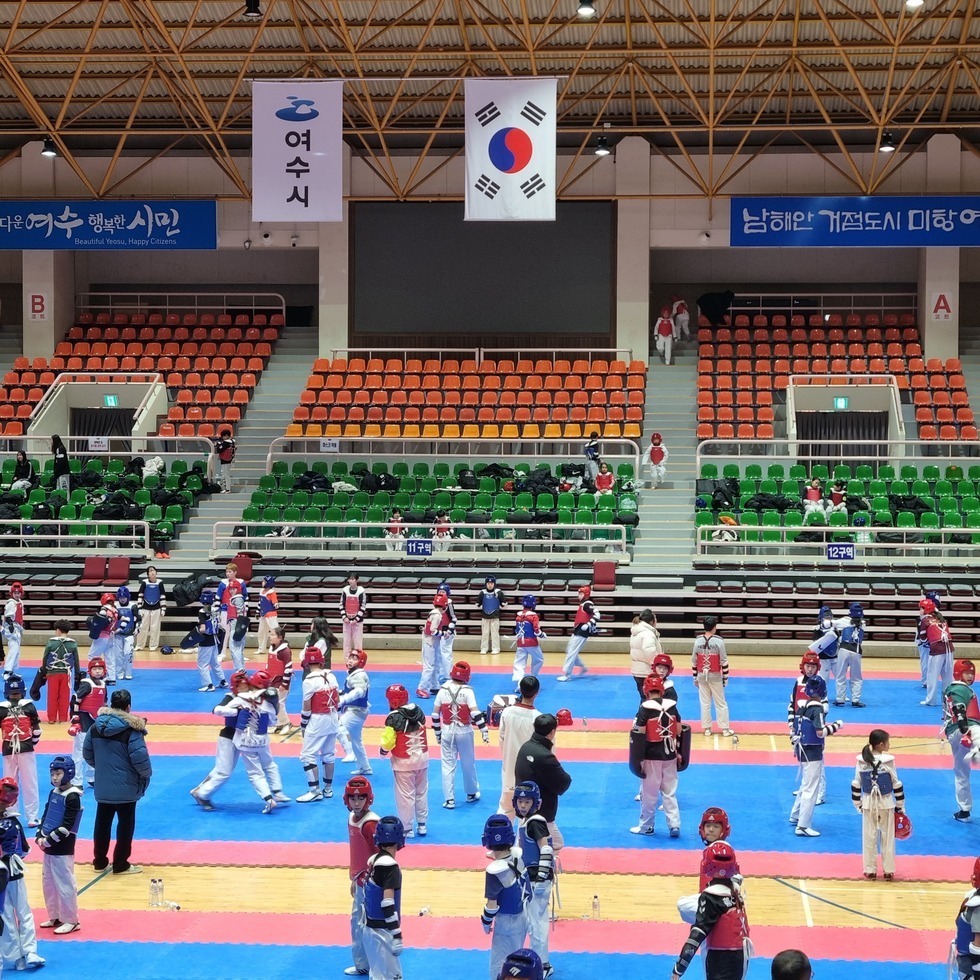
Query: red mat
<point>571,935</point>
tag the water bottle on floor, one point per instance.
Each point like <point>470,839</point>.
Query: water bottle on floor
<point>156,892</point>
<point>595,906</point>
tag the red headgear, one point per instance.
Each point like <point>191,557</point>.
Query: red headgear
<point>585,592</point>
<point>358,784</point>
<point>397,695</point>
<point>903,827</point>
<point>809,658</point>
<point>564,717</point>
<point>260,679</point>
<point>715,814</point>
<point>656,438</point>
<point>927,606</point>
<point>663,660</point>
<point>461,672</point>
<point>358,657</point>
<point>97,662</point>
<point>313,657</point>
<point>975,877</point>
<point>960,667</point>
<point>16,589</point>
<point>719,861</point>
<point>653,685</point>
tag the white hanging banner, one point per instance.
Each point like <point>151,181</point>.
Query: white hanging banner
<point>297,138</point>
<point>511,136</point>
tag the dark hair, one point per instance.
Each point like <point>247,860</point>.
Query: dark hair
<point>594,434</point>
<point>529,686</point>
<point>791,964</point>
<point>647,616</point>
<point>56,443</point>
<point>545,724</point>
<point>319,630</point>
<point>225,433</point>
<point>877,738</point>
<point>63,626</point>
<point>121,699</point>
<point>19,453</point>
<point>710,622</point>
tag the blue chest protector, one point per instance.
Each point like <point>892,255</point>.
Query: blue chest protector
<point>54,813</point>
<point>241,722</point>
<point>530,849</point>
<point>358,702</point>
<point>373,896</point>
<point>151,593</point>
<point>126,624</point>
<point>804,727</point>
<point>515,892</point>
<point>489,602</point>
<point>852,637</point>
<point>964,935</point>
<point>524,630</point>
<point>12,836</point>
<point>881,777</point>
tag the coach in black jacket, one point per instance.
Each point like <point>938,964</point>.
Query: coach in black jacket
<point>536,761</point>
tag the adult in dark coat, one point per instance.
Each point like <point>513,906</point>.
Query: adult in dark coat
<point>536,761</point>
<point>115,746</point>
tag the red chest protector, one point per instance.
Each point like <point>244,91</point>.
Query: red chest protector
<point>664,728</point>
<point>16,728</point>
<point>91,702</point>
<point>361,836</point>
<point>352,604</point>
<point>411,745</point>
<point>276,663</point>
<point>455,712</point>
<point>730,930</point>
<point>709,659</point>
<point>325,701</point>
<point>584,614</point>
<point>656,455</point>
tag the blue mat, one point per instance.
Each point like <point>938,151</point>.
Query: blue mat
<point>593,696</point>
<point>597,812</point>
<point>160,961</point>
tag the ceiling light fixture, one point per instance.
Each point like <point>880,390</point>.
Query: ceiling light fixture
<point>887,144</point>
<point>586,9</point>
<point>253,10</point>
<point>49,149</point>
<point>914,4</point>
<point>602,147</point>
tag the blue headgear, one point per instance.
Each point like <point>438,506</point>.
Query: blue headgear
<point>529,602</point>
<point>207,597</point>
<point>860,521</point>
<point>14,684</point>
<point>498,832</point>
<point>390,830</point>
<point>825,612</point>
<point>166,650</point>
<point>491,578</point>
<point>66,763</point>
<point>268,582</point>
<point>522,964</point>
<point>527,790</point>
<point>700,502</point>
<point>123,593</point>
<point>444,587</point>
<point>815,687</point>
<point>935,596</point>
<point>856,611</point>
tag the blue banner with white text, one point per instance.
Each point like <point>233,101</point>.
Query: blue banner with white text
<point>99,225</point>
<point>843,222</point>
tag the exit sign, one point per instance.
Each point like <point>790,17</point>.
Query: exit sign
<point>111,401</point>
<point>840,404</point>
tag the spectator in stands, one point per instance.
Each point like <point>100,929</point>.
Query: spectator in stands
<point>605,482</point>
<point>813,499</point>
<point>657,457</point>
<point>62,467</point>
<point>681,316</point>
<point>24,475</point>
<point>395,531</point>
<point>225,447</point>
<point>441,531</point>
<point>664,333</point>
<point>592,456</point>
<point>645,645</point>
<point>791,964</point>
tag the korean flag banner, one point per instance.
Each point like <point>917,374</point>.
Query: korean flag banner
<point>297,163</point>
<point>510,149</point>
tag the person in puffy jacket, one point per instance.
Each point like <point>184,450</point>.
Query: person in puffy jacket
<point>116,747</point>
<point>644,646</point>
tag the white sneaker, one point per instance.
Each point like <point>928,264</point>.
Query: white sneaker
<point>562,677</point>
<point>281,797</point>
<point>422,830</point>
<point>270,805</point>
<point>313,796</point>
<point>449,805</point>
<point>350,757</point>
<point>207,689</point>
<point>640,829</point>
<point>807,832</point>
<point>638,797</point>
<point>328,793</point>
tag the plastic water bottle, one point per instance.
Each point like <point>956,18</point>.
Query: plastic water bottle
<point>156,892</point>
<point>171,906</point>
<point>595,906</point>
<point>425,910</point>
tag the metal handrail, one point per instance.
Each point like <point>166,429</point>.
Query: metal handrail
<point>610,539</point>
<point>166,302</point>
<point>67,539</point>
<point>186,447</point>
<point>487,353</point>
<point>778,451</point>
<point>454,448</point>
<point>810,302</point>
<point>419,353</point>
<point>830,381</point>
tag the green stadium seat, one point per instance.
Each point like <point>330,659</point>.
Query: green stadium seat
<point>776,471</point>
<point>920,488</point>
<point>864,472</point>
<point>928,473</point>
<point>965,488</point>
<point>842,471</point>
<point>943,488</point>
<point>420,470</point>
<point>856,488</point>
<point>768,486</point>
<point>909,473</point>
<point>753,471</point>
<point>886,472</point>
<point>279,468</point>
<point>709,471</point>
<point>899,487</point>
<point>797,472</point>
<point>820,471</point>
<point>730,471</point>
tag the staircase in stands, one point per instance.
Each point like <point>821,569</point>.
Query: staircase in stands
<point>665,535</point>
<point>11,347</point>
<point>270,410</point>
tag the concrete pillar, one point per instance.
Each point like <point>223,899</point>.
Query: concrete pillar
<point>49,300</point>
<point>633,247</point>
<point>334,267</point>
<point>939,267</point>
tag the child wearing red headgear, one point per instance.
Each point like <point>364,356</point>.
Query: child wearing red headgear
<point>720,920</point>
<point>586,624</point>
<point>361,824</point>
<point>664,333</point>
<point>454,713</point>
<point>656,458</point>
<point>320,722</point>
<point>431,637</point>
<point>877,793</point>
<point>654,751</point>
<point>961,714</point>
<point>714,826</point>
<point>405,738</point>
